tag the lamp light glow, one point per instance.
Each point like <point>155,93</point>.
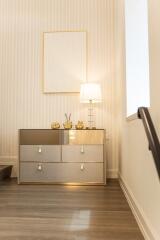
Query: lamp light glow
<point>90,92</point>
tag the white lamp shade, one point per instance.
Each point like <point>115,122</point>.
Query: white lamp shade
<point>90,92</point>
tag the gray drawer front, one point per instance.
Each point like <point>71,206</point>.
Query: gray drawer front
<point>62,172</point>
<point>40,137</point>
<point>38,153</point>
<point>82,153</point>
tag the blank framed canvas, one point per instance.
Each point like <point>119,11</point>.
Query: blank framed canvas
<point>64,61</point>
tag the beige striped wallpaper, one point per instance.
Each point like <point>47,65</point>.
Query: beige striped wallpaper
<point>22,102</point>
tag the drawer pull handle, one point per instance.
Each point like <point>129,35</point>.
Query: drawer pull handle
<point>39,149</point>
<point>82,167</point>
<point>82,149</point>
<point>39,167</point>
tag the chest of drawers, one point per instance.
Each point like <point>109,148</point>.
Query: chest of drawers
<point>62,156</point>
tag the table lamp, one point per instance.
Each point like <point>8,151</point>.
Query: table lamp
<point>90,93</point>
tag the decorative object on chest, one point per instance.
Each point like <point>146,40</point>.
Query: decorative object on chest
<point>67,124</point>
<point>90,93</point>
<point>55,125</point>
<point>79,125</point>
<point>62,156</point>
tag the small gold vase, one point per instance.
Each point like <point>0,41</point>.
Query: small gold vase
<point>67,125</point>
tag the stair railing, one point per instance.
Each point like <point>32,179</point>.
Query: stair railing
<point>153,140</point>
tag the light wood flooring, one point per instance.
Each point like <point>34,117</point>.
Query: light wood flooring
<point>51,212</point>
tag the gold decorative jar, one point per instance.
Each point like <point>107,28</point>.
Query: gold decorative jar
<point>79,125</point>
<point>67,125</point>
<point>55,125</point>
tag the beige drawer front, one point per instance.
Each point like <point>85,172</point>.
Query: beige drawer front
<point>61,172</point>
<point>82,153</point>
<point>83,137</point>
<point>40,137</point>
<point>38,153</point>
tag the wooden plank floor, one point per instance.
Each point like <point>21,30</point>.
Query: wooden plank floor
<point>52,212</point>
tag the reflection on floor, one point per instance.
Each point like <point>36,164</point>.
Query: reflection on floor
<point>53,212</point>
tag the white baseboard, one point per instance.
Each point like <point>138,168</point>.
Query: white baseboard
<point>142,220</point>
<point>10,160</point>
<point>112,173</point>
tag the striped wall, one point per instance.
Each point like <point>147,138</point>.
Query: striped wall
<point>22,101</point>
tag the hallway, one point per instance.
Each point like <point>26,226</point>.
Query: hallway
<point>65,213</point>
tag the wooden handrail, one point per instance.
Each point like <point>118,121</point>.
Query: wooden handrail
<point>153,140</point>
